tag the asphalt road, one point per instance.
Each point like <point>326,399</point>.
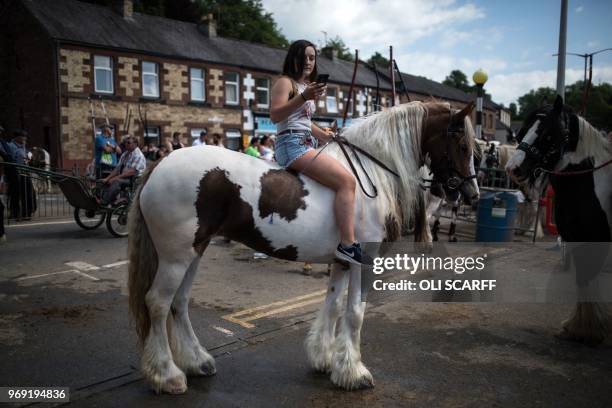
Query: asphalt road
<point>64,322</point>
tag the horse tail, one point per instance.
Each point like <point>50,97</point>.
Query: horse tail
<point>143,261</point>
<point>421,226</point>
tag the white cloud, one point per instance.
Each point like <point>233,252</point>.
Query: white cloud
<point>593,44</point>
<point>579,9</point>
<point>370,25</point>
<point>507,88</point>
<point>437,67</point>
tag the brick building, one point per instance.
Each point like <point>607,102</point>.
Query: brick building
<point>61,55</point>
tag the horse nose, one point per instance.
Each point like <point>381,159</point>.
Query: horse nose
<point>475,197</point>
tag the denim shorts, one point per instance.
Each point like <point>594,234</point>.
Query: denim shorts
<point>293,144</point>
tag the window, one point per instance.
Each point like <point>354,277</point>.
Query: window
<point>350,106</point>
<point>151,136</point>
<point>233,139</point>
<point>103,74</point>
<point>150,79</point>
<point>197,84</point>
<point>330,99</point>
<point>262,92</point>
<point>231,88</point>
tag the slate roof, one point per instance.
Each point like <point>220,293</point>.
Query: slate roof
<point>72,21</point>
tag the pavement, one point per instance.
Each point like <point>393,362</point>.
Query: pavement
<point>64,322</point>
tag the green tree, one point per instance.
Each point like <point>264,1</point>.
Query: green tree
<point>240,19</point>
<point>343,51</point>
<point>513,111</point>
<point>534,99</point>
<point>379,60</point>
<point>457,79</point>
<point>244,20</point>
<point>598,107</point>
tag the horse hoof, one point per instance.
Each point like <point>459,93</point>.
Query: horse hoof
<point>591,341</point>
<point>176,385</point>
<point>354,378</point>
<point>208,368</point>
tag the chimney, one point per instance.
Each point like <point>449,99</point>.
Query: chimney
<point>208,26</point>
<point>330,52</point>
<point>125,8</point>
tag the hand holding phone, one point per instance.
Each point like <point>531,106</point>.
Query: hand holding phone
<point>322,78</point>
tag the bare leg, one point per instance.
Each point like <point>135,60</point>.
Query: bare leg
<point>331,173</point>
<point>322,332</point>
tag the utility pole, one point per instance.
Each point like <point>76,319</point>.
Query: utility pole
<point>561,57</point>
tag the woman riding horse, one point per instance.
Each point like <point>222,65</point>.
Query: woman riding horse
<point>292,108</point>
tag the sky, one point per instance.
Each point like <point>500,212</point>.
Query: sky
<point>512,40</point>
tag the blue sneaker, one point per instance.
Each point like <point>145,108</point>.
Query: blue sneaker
<point>353,254</point>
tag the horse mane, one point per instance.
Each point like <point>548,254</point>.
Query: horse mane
<point>591,143</point>
<point>392,136</point>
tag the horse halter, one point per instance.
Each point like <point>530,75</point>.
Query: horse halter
<point>556,150</point>
<point>453,182</point>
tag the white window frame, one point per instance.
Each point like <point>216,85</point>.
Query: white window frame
<point>231,135</point>
<point>156,75</point>
<point>333,99</point>
<point>265,89</point>
<point>96,68</point>
<point>235,84</point>
<point>201,81</point>
<point>152,132</point>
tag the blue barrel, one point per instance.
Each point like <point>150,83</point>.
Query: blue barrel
<point>496,217</point>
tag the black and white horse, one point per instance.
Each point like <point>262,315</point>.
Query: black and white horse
<point>576,158</point>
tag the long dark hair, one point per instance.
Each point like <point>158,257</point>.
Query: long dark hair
<point>294,61</point>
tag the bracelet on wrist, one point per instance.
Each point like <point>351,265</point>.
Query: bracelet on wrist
<point>303,97</point>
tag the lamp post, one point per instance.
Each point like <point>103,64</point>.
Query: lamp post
<point>479,77</point>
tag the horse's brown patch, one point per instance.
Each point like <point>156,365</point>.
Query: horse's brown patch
<point>392,229</point>
<point>221,210</point>
<point>283,193</point>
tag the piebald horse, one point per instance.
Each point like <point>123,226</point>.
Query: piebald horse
<point>577,159</point>
<point>196,193</point>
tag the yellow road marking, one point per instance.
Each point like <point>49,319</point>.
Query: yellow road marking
<point>243,317</point>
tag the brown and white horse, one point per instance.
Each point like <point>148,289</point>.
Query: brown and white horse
<point>195,193</point>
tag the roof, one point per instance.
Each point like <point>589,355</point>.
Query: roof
<point>97,26</point>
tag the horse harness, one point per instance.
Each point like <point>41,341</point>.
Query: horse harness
<point>456,181</point>
<point>453,182</point>
<point>568,142</point>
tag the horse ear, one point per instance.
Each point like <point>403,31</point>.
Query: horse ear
<point>558,104</point>
<point>459,116</point>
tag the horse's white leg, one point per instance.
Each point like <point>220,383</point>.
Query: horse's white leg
<point>157,364</point>
<point>322,332</point>
<point>347,369</point>
<point>189,355</point>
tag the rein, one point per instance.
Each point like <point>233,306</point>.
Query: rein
<point>540,170</point>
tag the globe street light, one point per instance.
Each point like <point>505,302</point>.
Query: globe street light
<point>479,77</point>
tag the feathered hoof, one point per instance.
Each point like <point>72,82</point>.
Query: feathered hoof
<point>354,376</point>
<point>175,385</point>
<point>591,339</point>
<point>208,368</point>
<point>319,353</point>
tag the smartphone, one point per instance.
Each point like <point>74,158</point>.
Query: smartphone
<point>322,78</point>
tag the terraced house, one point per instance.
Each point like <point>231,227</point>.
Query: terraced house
<point>174,77</point>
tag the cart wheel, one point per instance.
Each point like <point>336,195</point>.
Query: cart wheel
<point>116,221</point>
<point>88,219</point>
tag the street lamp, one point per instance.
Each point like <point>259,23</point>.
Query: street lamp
<point>479,77</point>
